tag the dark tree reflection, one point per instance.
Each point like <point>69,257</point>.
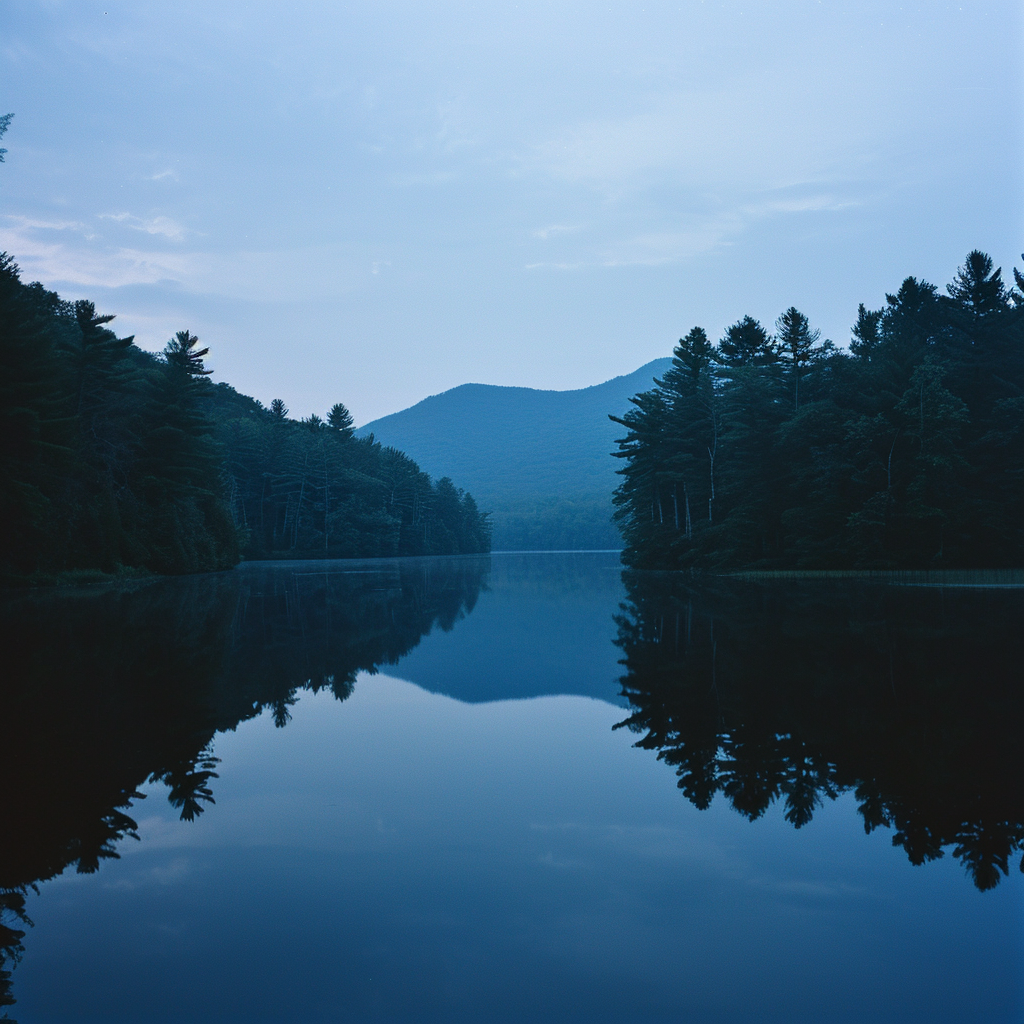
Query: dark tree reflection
<point>107,690</point>
<point>189,786</point>
<point>797,691</point>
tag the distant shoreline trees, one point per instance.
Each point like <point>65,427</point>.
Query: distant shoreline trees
<point>782,452</point>
<point>311,489</point>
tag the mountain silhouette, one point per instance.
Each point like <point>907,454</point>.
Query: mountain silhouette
<point>539,461</point>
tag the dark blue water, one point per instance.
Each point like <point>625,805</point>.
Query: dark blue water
<point>424,810</point>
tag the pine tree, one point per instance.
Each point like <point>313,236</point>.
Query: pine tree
<point>866,338</point>
<point>340,419</point>
<point>976,287</point>
<point>184,519</point>
<point>908,450</point>
<point>745,343</point>
<point>797,346</point>
<point>639,499</point>
<point>691,428</point>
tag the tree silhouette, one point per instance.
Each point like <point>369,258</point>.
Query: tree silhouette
<point>796,692</point>
<point>906,452</point>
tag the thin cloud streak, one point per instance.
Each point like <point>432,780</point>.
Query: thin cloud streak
<point>659,248</point>
<point>254,276</point>
<point>159,225</point>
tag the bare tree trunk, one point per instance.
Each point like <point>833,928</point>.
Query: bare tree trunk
<point>711,461</point>
<point>233,500</point>
<point>712,409</point>
<point>263,498</point>
<point>298,507</point>
<point>888,490</point>
<point>888,465</point>
<point>675,506</point>
<point>686,502</point>
<point>327,500</point>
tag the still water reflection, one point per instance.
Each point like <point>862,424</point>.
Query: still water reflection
<point>908,696</point>
<point>399,835</point>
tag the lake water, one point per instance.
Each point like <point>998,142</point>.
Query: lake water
<point>515,788</point>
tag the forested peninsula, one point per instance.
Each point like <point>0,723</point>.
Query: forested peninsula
<point>781,452</point>
<point>117,460</point>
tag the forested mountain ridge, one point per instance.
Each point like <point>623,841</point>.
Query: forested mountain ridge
<point>114,459</point>
<point>539,460</point>
<point>778,452</point>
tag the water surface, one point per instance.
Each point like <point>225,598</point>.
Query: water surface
<point>514,788</point>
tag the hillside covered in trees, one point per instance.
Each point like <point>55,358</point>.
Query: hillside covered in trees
<point>113,459</point>
<point>538,460</point>
<point>780,452</point>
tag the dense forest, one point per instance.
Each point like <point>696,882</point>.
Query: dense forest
<point>537,459</point>
<point>115,459</point>
<point>778,451</point>
<point>797,691</point>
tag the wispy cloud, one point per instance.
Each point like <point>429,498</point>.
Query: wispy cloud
<point>54,263</point>
<point>699,233</point>
<point>159,225</point>
<point>80,261</point>
<point>164,175</point>
<point>410,180</point>
<point>33,224</point>
<point>74,256</point>
<point>171,873</point>
<point>800,204</point>
<point>653,248</point>
<point>737,137</point>
<point>553,230</point>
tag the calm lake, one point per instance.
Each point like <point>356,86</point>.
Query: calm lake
<point>514,788</point>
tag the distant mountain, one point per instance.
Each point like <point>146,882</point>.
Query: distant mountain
<point>539,461</point>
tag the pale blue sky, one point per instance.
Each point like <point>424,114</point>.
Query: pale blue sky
<point>375,202</point>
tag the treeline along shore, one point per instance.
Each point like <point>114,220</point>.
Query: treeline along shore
<point>118,460</point>
<point>778,451</point>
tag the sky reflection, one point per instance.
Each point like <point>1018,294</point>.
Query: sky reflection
<point>404,856</point>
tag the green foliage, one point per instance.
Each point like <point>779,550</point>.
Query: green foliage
<point>312,489</point>
<point>797,347</point>
<point>538,460</point>
<point>114,460</point>
<point>908,452</point>
<point>108,460</point>
<point>340,419</point>
<point>5,123</point>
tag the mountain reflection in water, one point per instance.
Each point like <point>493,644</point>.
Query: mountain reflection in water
<point>789,691</point>
<point>799,690</point>
<point>116,688</point>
